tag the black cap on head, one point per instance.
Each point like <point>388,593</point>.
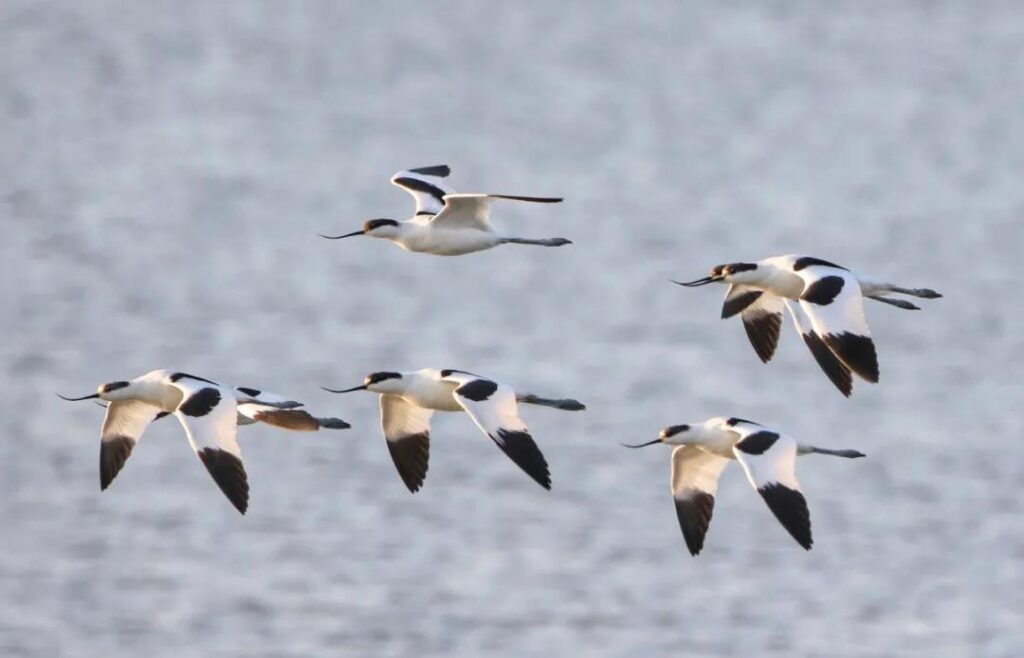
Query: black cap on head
<point>377,223</point>
<point>375,377</point>
<point>672,431</point>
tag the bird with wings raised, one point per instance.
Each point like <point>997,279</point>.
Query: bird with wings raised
<point>825,301</point>
<point>446,223</point>
<point>768,458</point>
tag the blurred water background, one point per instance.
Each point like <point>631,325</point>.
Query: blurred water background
<point>164,172</point>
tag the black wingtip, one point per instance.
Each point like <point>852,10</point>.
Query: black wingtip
<point>521,449</point>
<point>790,507</point>
<point>441,171</point>
<point>833,368</point>
<point>114,452</point>
<point>694,514</point>
<point>411,456</point>
<point>229,474</point>
<point>856,352</point>
<point>763,332</point>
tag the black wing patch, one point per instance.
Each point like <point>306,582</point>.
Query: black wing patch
<point>201,402</point>
<point>737,303</point>
<point>477,390</point>
<point>229,474</point>
<point>790,507</point>
<point>763,332</point>
<point>411,455</point>
<point>114,451</point>
<point>758,442</point>
<point>823,291</point>
<point>521,448</point>
<point>694,515</point>
<point>856,352</point>
<point>833,368</point>
<point>251,392</point>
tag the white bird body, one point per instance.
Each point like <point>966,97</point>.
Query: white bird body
<point>702,452</point>
<point>825,301</point>
<point>445,223</point>
<point>408,399</point>
<point>209,412</point>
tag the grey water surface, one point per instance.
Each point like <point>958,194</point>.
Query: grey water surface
<point>164,171</point>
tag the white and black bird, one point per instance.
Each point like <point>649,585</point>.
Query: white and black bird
<point>409,399</point>
<point>825,301</point>
<point>446,223</point>
<point>209,412</point>
<point>767,457</point>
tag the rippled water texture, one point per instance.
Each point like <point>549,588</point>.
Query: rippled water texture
<point>163,176</point>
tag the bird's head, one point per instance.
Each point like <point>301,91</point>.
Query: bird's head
<point>727,273</point>
<point>376,382</point>
<point>374,228</point>
<point>111,392</point>
<point>676,435</point>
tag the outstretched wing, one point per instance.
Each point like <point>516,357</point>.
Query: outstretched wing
<point>694,483</point>
<point>122,428</point>
<point>473,210</point>
<point>769,458</point>
<point>407,430</point>
<point>834,369</point>
<point>426,185</point>
<point>761,313</point>
<point>493,408</point>
<point>207,412</point>
<point>833,301</point>
<point>298,420</point>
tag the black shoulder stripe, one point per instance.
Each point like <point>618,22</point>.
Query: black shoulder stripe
<point>251,392</point>
<point>200,403</point>
<point>757,443</point>
<point>823,291</point>
<point>807,261</point>
<point>184,375</point>
<point>477,390</point>
<point>733,422</point>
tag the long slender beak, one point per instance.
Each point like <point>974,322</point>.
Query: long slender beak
<point>338,237</point>
<point>640,445</point>
<point>347,390</point>
<point>84,397</point>
<point>699,282</point>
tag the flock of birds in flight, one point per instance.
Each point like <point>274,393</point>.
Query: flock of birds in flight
<point>824,300</point>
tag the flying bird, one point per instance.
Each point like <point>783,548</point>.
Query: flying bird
<point>209,412</point>
<point>767,457</point>
<point>409,399</point>
<point>446,223</point>
<point>825,301</point>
